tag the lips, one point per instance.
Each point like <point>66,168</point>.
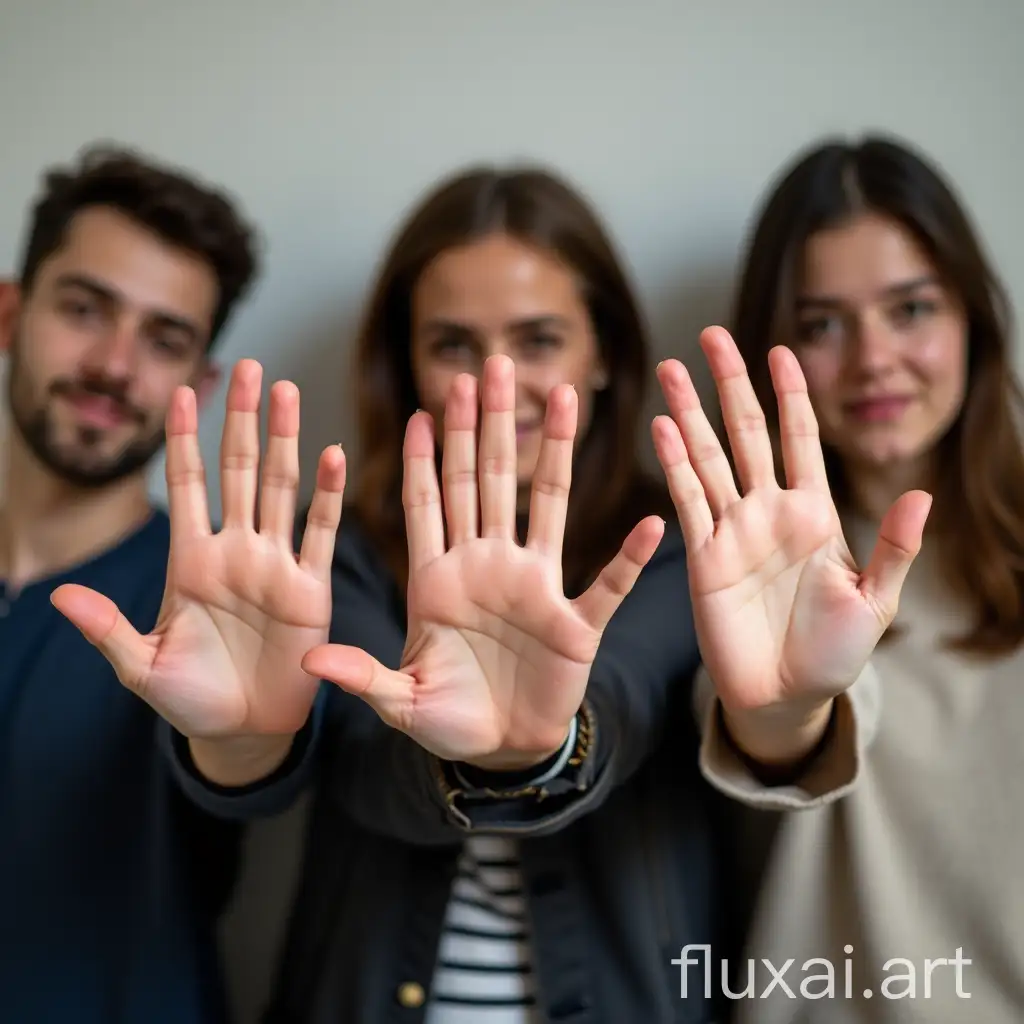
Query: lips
<point>99,411</point>
<point>883,409</point>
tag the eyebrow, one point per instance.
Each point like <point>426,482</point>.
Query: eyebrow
<point>830,302</point>
<point>102,291</point>
<point>528,323</point>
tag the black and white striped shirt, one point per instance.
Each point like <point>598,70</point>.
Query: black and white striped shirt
<point>484,972</point>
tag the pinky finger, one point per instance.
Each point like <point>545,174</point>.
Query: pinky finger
<point>602,599</point>
<point>320,534</point>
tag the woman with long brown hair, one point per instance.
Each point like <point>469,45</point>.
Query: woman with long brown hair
<point>891,887</point>
<point>471,859</point>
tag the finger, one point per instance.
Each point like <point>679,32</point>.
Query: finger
<point>103,625</point>
<point>549,500</point>
<point>458,461</point>
<point>421,496</point>
<point>240,445</point>
<point>601,600</point>
<point>744,418</point>
<point>498,477</point>
<point>279,483</point>
<point>802,456</point>
<point>898,544</point>
<point>389,693</point>
<point>703,448</point>
<point>185,473</point>
<point>320,534</point>
<point>684,485</point>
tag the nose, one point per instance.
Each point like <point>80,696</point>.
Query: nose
<point>875,346</point>
<point>114,352</point>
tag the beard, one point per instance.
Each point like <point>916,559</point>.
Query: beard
<point>79,463</point>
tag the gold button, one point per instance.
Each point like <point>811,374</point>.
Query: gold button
<point>411,994</point>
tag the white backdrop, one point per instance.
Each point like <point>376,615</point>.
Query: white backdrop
<point>327,119</point>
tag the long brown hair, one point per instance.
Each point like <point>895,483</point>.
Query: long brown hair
<point>977,516</point>
<point>610,493</point>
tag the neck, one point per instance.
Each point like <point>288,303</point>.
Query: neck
<point>873,489</point>
<point>48,525</point>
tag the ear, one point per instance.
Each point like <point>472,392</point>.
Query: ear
<point>10,307</point>
<point>207,379</point>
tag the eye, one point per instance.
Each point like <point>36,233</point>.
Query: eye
<point>818,328</point>
<point>79,308</point>
<point>451,347</point>
<point>912,310</point>
<point>170,345</point>
<point>540,343</point>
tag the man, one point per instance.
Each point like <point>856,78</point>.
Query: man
<point>110,882</point>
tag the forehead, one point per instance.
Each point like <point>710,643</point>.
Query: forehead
<point>142,270</point>
<point>497,278</point>
<point>859,260</point>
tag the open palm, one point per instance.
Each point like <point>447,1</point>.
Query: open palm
<point>239,610</point>
<point>782,611</point>
<point>497,659</point>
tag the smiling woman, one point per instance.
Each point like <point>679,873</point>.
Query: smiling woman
<point>511,263</point>
<point>864,264</point>
<point>870,270</point>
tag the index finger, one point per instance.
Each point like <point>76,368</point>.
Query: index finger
<point>185,474</point>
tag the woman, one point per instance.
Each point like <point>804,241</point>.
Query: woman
<point>574,905</point>
<point>904,894</point>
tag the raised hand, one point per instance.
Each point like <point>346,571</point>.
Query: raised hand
<point>239,610</point>
<point>497,659</point>
<point>783,613</point>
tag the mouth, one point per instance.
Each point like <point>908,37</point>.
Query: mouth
<point>884,409</point>
<point>100,412</point>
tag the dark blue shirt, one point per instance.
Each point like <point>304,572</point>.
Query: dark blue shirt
<point>110,882</point>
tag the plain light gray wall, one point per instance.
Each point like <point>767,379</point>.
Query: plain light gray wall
<point>327,119</point>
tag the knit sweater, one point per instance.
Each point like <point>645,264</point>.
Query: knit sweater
<point>893,866</point>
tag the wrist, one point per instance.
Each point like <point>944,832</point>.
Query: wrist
<point>511,771</point>
<point>516,760</point>
<point>239,760</point>
<point>782,734</point>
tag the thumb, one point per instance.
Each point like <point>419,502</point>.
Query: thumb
<point>102,624</point>
<point>351,669</point>
<point>898,544</point>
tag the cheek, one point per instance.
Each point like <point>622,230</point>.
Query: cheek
<point>155,385</point>
<point>942,364</point>
<point>536,383</point>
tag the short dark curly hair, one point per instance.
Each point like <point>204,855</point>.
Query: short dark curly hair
<point>173,205</point>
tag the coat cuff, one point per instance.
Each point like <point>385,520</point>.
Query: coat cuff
<point>833,771</point>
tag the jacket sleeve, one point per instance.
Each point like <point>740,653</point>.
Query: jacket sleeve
<point>830,774</point>
<point>261,799</point>
<point>390,785</point>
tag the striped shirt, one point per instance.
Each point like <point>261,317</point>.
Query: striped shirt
<point>484,973</point>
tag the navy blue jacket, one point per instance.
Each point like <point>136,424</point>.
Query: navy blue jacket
<point>110,882</point>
